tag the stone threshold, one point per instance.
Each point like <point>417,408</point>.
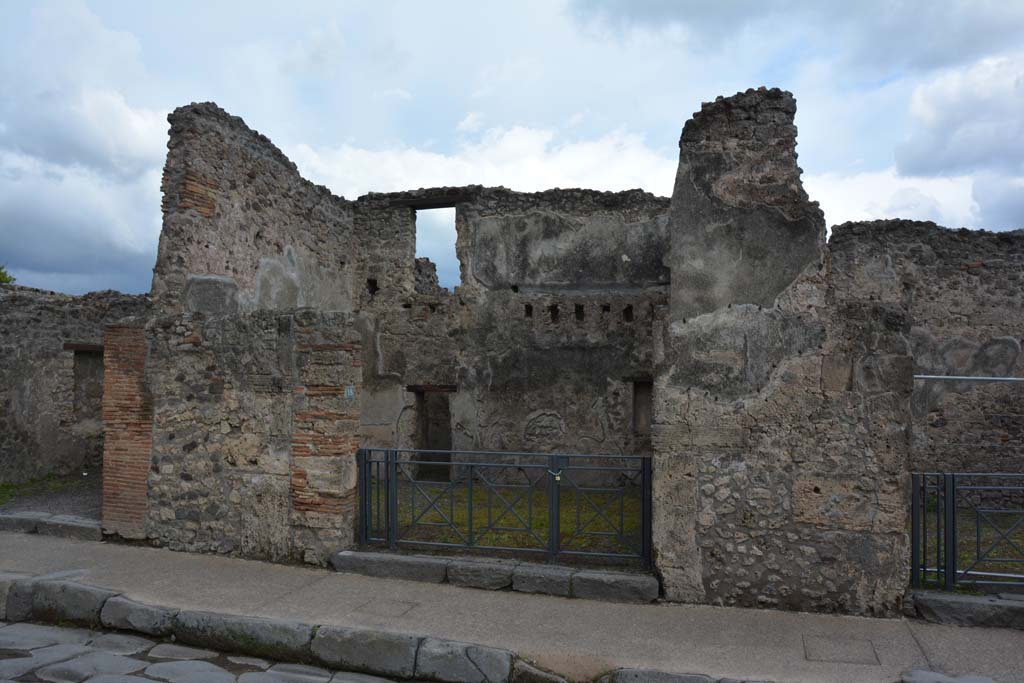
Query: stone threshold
<point>499,574</point>
<point>56,599</point>
<point>65,526</point>
<point>1005,610</point>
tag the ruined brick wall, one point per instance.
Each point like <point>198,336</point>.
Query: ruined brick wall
<point>49,399</point>
<point>963,290</point>
<point>255,431</point>
<point>242,230</point>
<point>128,420</point>
<point>782,392</point>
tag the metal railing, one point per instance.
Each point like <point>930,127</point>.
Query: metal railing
<point>967,529</point>
<point>556,505</point>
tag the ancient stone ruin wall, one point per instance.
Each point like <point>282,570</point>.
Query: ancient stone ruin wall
<point>541,345</point>
<point>51,378</point>
<point>964,291</point>
<point>782,392</point>
<point>255,431</point>
<point>242,230</point>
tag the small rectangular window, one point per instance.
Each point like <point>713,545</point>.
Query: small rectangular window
<point>580,312</point>
<point>371,286</point>
<point>528,310</point>
<point>627,313</point>
<point>553,311</point>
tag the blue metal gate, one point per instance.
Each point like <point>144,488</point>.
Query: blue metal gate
<point>967,529</point>
<point>553,505</point>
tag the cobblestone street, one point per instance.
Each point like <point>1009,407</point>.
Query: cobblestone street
<point>32,652</point>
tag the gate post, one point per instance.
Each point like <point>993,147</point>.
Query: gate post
<point>915,530</point>
<point>554,508</point>
<point>647,486</point>
<point>362,490</point>
<point>392,490</point>
<point>949,527</point>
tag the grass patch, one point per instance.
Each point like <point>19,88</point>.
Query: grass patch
<point>991,542</point>
<point>515,516</point>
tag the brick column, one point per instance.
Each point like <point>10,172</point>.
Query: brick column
<point>128,431</point>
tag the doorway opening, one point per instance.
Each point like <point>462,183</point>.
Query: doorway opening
<point>434,431</point>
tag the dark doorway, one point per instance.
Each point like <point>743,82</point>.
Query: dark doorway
<point>434,431</point>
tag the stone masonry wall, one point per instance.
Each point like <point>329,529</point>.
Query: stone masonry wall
<point>782,391</point>
<point>256,427</point>
<point>49,419</point>
<point>128,419</point>
<point>242,231</point>
<point>964,291</point>
<point>547,332</point>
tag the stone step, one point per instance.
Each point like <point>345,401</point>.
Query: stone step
<point>495,574</point>
<point>65,526</point>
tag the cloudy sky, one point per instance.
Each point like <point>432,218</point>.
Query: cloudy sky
<point>906,108</point>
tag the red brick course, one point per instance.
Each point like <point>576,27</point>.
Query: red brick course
<point>128,425</point>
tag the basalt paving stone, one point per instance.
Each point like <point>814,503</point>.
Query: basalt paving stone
<point>254,662</point>
<point>89,665</point>
<point>346,677</point>
<point>114,678</point>
<point>121,644</point>
<point>172,651</point>
<point>13,668</point>
<point>34,636</point>
<point>189,671</point>
<point>288,673</point>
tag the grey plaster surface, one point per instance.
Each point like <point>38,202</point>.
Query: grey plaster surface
<point>579,638</point>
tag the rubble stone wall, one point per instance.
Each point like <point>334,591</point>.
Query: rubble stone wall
<point>964,291</point>
<point>782,395</point>
<point>255,432</point>
<point>242,230</point>
<point>50,395</point>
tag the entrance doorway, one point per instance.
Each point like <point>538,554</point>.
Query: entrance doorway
<point>434,430</point>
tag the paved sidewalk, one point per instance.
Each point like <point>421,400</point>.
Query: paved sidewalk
<point>579,638</point>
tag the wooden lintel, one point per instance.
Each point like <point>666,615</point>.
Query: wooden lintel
<point>91,348</point>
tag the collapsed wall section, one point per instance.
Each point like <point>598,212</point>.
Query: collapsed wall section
<point>963,290</point>
<point>255,432</point>
<point>781,395</point>
<point>242,230</point>
<point>51,378</point>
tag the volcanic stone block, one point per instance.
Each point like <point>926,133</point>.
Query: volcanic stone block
<point>128,615</point>
<point>24,522</point>
<point>969,610</point>
<point>454,662</point>
<point>70,526</point>
<point>490,575</point>
<point>391,566</point>
<point>6,581</point>
<point>375,652</point>
<point>271,638</point>
<point>524,672</point>
<point>615,586</point>
<point>60,601</point>
<point>536,578</point>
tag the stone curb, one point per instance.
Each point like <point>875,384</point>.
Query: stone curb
<point>381,653</point>
<point>64,526</point>
<point>493,574</point>
<point>969,610</point>
<point>650,676</point>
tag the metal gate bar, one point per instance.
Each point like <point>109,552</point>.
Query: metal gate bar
<point>553,504</point>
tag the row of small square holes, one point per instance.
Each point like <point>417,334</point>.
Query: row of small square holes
<point>580,312</point>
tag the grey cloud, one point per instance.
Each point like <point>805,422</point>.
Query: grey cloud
<point>877,34</point>
<point>968,120</point>
<point>1000,202</point>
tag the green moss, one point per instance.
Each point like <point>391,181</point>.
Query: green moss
<point>10,492</point>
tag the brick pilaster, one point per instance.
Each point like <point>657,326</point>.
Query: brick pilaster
<point>128,431</point>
